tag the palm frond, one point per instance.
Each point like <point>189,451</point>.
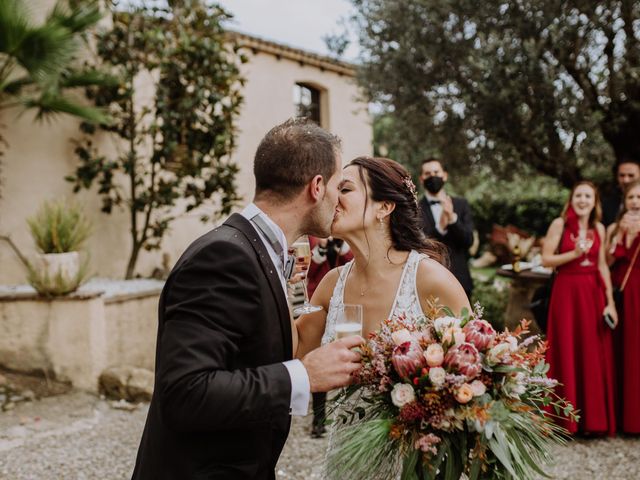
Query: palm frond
<point>87,77</point>
<point>14,87</point>
<point>79,19</point>
<point>14,24</point>
<point>51,104</point>
<point>46,51</point>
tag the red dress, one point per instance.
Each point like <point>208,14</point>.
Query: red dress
<point>580,349</point>
<point>628,364</point>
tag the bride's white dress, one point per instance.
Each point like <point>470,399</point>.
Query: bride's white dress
<point>406,302</point>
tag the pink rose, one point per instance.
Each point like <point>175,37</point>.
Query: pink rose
<point>434,355</point>
<point>407,358</point>
<point>465,359</point>
<point>402,394</point>
<point>464,394</point>
<point>478,388</point>
<point>401,336</point>
<point>480,333</point>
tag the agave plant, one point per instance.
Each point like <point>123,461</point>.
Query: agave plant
<point>37,61</point>
<point>59,227</point>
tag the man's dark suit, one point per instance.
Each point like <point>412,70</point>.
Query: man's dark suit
<point>458,238</point>
<point>611,206</point>
<point>220,408</point>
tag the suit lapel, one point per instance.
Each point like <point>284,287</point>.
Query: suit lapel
<point>240,223</point>
<point>427,216</point>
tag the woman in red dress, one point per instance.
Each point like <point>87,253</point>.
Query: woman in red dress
<point>623,243</point>
<point>580,348</point>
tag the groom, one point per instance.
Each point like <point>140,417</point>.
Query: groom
<point>225,383</point>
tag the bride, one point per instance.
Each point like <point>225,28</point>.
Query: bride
<point>395,270</point>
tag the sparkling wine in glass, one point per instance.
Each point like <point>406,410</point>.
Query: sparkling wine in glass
<point>584,241</point>
<point>303,254</point>
<point>587,243</point>
<point>349,321</point>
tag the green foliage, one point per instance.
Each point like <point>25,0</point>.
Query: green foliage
<point>365,440</point>
<point>494,300</point>
<point>553,85</point>
<point>59,227</point>
<point>38,63</point>
<point>174,149</point>
<point>527,202</point>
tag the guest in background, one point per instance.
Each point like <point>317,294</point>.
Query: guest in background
<point>626,171</point>
<point>326,254</point>
<point>623,245</point>
<point>448,220</point>
<point>580,345</point>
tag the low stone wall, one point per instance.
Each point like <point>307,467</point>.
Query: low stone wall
<point>76,337</point>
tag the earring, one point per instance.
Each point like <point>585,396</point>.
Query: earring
<point>381,224</point>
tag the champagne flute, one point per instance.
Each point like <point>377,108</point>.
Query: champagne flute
<point>303,251</point>
<point>587,242</point>
<point>584,241</point>
<point>348,321</point>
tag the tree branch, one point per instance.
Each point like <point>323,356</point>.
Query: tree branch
<point>16,250</point>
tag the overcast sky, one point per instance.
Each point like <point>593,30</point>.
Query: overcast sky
<point>297,23</point>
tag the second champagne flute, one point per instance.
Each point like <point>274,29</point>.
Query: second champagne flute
<point>303,251</point>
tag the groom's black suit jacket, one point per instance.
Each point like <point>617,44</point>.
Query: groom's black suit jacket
<point>220,407</point>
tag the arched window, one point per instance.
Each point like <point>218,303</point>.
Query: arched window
<point>307,101</point>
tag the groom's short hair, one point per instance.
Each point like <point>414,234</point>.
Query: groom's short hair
<point>291,154</point>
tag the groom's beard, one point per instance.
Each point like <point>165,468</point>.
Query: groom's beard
<point>320,219</point>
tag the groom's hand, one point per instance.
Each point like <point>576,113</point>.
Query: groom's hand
<point>332,365</point>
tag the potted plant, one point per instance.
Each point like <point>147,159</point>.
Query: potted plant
<point>59,229</point>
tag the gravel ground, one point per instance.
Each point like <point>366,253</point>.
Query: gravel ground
<point>80,437</point>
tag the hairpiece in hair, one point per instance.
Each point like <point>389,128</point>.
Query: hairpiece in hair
<point>411,187</point>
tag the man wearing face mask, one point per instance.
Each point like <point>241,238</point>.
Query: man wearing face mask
<point>626,172</point>
<point>448,220</point>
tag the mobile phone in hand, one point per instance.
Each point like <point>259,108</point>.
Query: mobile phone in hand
<point>608,319</point>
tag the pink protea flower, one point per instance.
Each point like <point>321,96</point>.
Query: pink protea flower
<point>480,333</point>
<point>407,358</point>
<point>465,359</point>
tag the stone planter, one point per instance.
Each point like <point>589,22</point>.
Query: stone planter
<point>66,266</point>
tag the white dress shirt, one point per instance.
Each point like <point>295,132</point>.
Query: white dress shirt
<point>300,386</point>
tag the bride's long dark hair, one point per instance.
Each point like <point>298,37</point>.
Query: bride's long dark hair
<point>386,180</point>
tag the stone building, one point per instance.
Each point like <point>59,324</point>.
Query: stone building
<point>281,82</point>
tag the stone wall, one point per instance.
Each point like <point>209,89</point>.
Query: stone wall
<point>76,337</point>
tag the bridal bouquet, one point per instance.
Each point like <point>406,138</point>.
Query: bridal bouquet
<point>440,396</point>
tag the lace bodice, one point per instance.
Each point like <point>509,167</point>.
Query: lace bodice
<point>406,301</point>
